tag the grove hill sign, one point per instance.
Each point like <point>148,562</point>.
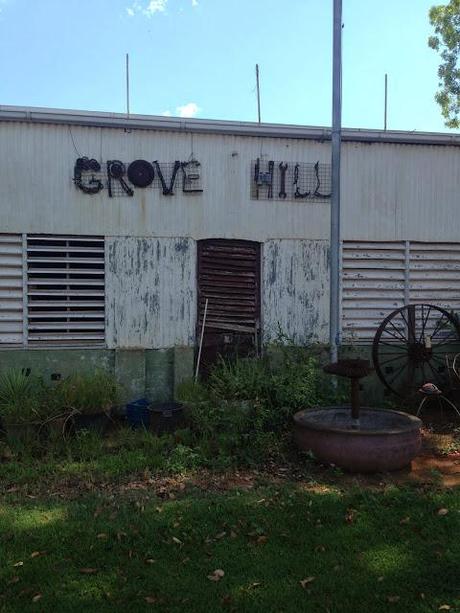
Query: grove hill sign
<point>120,179</point>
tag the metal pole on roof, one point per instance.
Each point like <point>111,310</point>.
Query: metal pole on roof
<point>334,326</point>
<point>258,92</point>
<point>386,103</point>
<point>127,86</point>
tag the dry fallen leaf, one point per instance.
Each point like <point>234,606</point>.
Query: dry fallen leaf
<point>216,575</point>
<point>393,599</point>
<point>34,554</point>
<point>307,581</point>
<point>177,541</point>
<point>350,516</point>
<point>405,520</point>
<point>262,539</point>
<point>150,561</point>
<point>36,597</point>
<point>102,535</point>
<point>444,607</point>
<point>88,571</point>
<point>443,511</point>
<point>380,579</point>
<point>18,564</point>
<point>150,599</point>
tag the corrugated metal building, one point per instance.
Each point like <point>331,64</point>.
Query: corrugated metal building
<point>115,230</point>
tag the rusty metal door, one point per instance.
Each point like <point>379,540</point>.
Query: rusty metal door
<point>229,277</point>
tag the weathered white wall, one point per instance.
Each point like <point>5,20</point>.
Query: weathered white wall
<point>37,193</point>
<point>400,192</point>
<point>295,298</point>
<point>389,191</point>
<point>150,292</point>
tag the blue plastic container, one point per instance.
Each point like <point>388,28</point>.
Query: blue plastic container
<point>138,413</point>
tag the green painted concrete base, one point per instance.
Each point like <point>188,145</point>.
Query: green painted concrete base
<point>152,373</point>
<point>141,373</point>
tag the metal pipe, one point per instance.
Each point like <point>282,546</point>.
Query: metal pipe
<point>258,91</point>
<point>386,103</point>
<point>198,360</point>
<point>127,86</point>
<point>334,326</point>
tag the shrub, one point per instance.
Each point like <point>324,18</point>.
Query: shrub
<point>22,397</point>
<point>86,393</point>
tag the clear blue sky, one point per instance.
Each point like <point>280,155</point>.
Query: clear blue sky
<point>200,54</point>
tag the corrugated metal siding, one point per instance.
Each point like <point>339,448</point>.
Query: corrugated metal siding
<point>49,202</point>
<point>11,289</point>
<point>400,192</point>
<point>296,290</point>
<point>65,290</point>
<point>150,292</point>
<point>389,191</point>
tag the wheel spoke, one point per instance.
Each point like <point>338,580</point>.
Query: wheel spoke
<point>398,373</point>
<point>401,356</point>
<point>393,345</point>
<point>444,322</point>
<point>425,321</point>
<point>400,334</point>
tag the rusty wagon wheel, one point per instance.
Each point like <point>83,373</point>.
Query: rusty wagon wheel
<point>410,347</point>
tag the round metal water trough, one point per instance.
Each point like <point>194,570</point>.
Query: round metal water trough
<point>386,440</point>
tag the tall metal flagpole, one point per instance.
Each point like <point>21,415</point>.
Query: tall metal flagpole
<point>334,327</point>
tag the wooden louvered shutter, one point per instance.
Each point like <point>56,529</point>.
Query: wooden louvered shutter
<point>229,277</point>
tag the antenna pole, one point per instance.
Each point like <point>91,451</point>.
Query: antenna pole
<point>127,86</point>
<point>386,103</point>
<point>334,327</point>
<point>258,92</point>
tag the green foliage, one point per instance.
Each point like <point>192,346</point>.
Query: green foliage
<point>445,19</point>
<point>183,458</point>
<point>86,393</point>
<point>191,391</point>
<point>242,414</point>
<point>22,397</point>
<point>240,379</point>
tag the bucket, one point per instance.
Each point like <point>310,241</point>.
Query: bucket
<point>138,413</point>
<point>166,416</point>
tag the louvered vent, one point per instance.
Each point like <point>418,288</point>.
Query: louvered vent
<point>228,275</point>
<point>435,274</point>
<point>373,281</point>
<point>65,290</point>
<point>11,289</point>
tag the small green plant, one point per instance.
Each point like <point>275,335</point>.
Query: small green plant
<point>192,391</point>
<point>87,394</point>
<point>22,397</point>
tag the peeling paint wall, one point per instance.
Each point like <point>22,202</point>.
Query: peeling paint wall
<point>150,292</point>
<point>296,290</point>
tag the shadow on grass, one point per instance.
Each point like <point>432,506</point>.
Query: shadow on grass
<point>366,551</point>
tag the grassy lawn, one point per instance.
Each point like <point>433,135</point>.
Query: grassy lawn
<point>102,536</point>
